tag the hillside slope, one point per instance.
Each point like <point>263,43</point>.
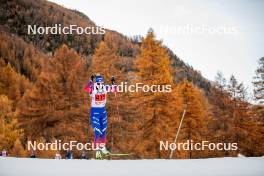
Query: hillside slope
<point>15,15</point>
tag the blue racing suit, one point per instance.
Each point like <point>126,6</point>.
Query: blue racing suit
<point>98,114</point>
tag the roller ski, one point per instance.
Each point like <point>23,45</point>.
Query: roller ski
<point>103,153</point>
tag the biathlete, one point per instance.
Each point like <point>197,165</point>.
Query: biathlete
<point>98,114</point>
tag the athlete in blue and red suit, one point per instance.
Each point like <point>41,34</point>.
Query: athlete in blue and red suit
<point>98,114</point>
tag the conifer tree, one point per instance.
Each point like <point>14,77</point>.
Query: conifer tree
<point>197,117</point>
<point>9,83</point>
<point>54,107</point>
<point>220,81</point>
<point>105,59</point>
<point>243,128</point>
<point>158,111</point>
<point>9,129</point>
<point>258,82</point>
<point>108,63</point>
<point>18,149</point>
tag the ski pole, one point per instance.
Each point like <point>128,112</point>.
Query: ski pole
<point>117,108</point>
<point>178,131</point>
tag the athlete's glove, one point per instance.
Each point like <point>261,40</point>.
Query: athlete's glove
<point>92,77</point>
<point>113,80</point>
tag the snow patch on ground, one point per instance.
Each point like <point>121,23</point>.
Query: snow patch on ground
<point>214,166</point>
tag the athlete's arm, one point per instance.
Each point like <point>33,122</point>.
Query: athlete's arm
<point>89,87</point>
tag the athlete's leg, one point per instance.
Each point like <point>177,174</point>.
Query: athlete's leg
<point>103,124</point>
<point>95,119</point>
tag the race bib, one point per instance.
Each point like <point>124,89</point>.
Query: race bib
<point>99,97</point>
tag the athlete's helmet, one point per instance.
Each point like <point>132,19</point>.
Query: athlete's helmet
<point>99,79</point>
